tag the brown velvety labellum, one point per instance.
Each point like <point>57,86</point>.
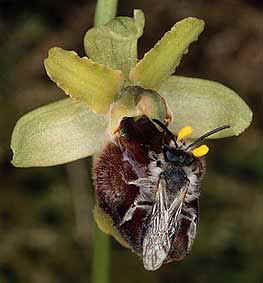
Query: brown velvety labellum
<point>148,183</point>
<point>121,163</point>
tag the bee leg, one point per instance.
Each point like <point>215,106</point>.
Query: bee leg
<point>144,199</point>
<point>128,215</point>
<point>145,184</point>
<point>143,204</point>
<point>192,196</point>
<point>153,156</point>
<point>192,193</point>
<point>191,233</point>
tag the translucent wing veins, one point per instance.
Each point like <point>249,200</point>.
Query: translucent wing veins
<point>161,227</point>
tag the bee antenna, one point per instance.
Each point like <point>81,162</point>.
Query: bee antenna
<point>197,141</point>
<point>159,123</point>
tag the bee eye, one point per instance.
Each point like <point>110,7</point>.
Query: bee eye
<point>178,157</point>
<point>170,156</point>
<point>189,160</point>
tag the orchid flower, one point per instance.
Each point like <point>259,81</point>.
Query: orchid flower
<point>102,90</point>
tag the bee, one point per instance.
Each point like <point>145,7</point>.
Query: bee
<point>148,184</point>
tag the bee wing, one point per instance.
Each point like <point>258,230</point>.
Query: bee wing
<point>161,227</point>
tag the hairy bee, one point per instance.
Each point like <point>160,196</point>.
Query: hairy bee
<point>148,184</point>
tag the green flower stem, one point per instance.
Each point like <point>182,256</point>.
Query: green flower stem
<point>101,256</point>
<point>105,11</point>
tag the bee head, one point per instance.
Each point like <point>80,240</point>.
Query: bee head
<point>178,157</point>
<point>186,156</point>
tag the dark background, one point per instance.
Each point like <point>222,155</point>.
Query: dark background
<point>45,213</point>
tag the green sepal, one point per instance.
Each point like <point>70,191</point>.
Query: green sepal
<point>105,224</point>
<point>161,61</point>
<point>115,44</point>
<point>94,84</point>
<point>204,105</point>
<point>57,133</point>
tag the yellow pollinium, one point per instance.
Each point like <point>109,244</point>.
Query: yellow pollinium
<point>200,151</point>
<point>184,132</point>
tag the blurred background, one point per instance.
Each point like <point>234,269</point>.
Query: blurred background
<point>46,213</point>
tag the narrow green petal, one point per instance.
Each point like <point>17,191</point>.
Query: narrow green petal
<point>57,133</point>
<point>115,44</point>
<point>96,85</point>
<point>205,105</point>
<point>161,61</point>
